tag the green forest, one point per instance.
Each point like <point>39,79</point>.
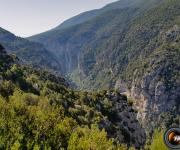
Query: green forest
<point>106,79</point>
<point>38,111</point>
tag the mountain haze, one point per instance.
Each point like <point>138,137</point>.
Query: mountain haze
<point>29,52</point>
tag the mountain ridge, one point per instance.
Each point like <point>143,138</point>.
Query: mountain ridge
<point>100,52</point>
<point>30,52</point>
<point>121,4</point>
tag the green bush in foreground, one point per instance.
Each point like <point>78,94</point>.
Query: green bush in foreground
<point>157,141</point>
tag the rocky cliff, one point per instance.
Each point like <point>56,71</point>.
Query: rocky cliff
<point>156,89</point>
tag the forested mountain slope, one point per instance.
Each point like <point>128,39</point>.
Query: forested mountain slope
<point>30,52</point>
<point>69,43</point>
<point>130,46</point>
<point>39,111</point>
<point>134,48</point>
<point>86,16</point>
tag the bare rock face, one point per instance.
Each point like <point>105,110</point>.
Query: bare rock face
<point>151,97</point>
<point>156,88</point>
<point>151,104</point>
<point>123,123</point>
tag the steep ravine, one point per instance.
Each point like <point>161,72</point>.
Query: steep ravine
<point>107,109</point>
<point>134,48</point>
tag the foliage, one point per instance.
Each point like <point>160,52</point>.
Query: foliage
<point>31,53</point>
<point>39,111</point>
<point>85,138</point>
<point>157,141</point>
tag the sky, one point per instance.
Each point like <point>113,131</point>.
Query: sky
<point>28,17</point>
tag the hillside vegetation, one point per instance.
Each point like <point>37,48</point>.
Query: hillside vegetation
<point>39,111</point>
<point>75,42</point>
<point>125,55</point>
<point>132,46</point>
<point>29,52</point>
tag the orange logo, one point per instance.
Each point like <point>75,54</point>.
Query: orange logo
<point>172,138</point>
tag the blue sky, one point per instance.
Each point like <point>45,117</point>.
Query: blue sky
<point>29,17</point>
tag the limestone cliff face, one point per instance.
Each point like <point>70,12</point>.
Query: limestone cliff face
<point>151,94</point>
<point>155,85</point>
<point>151,97</point>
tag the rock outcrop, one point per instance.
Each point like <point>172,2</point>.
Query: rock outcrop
<point>123,123</point>
<point>156,88</point>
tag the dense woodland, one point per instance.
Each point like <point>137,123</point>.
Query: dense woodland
<point>39,111</point>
